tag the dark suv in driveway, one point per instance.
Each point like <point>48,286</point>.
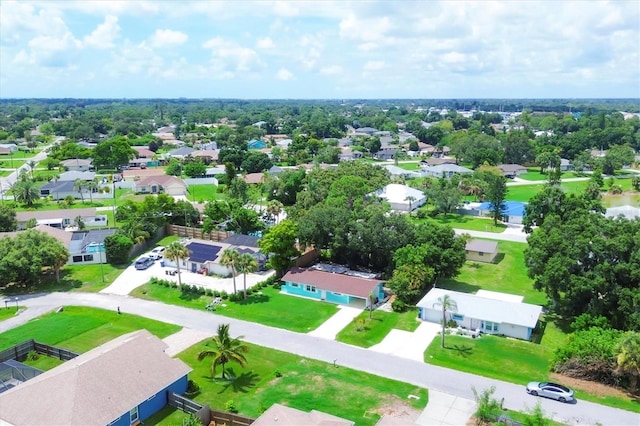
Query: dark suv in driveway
<point>144,263</point>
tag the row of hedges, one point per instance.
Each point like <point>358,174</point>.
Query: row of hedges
<point>194,289</point>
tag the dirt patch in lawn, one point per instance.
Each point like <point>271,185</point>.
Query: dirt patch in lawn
<point>593,388</point>
<point>396,410</point>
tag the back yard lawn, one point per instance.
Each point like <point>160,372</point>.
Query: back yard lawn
<point>80,329</point>
<point>204,193</point>
<point>272,377</point>
<point>465,222</point>
<point>508,275</point>
<point>366,332</point>
<point>269,307</point>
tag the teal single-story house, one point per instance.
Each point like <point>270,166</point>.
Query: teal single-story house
<point>342,289</point>
<point>256,144</point>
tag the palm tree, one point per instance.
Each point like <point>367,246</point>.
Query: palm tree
<point>447,304</point>
<point>629,357</point>
<point>176,252</point>
<point>246,264</point>
<point>79,186</point>
<point>410,199</point>
<point>230,259</point>
<point>134,230</point>
<point>226,350</point>
<point>25,191</point>
<point>32,166</point>
<point>274,208</point>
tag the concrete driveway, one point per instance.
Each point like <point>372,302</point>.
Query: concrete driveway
<point>331,327</point>
<point>408,344</point>
<point>444,409</point>
<point>131,278</point>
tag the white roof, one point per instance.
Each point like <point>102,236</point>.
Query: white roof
<point>450,168</point>
<point>627,211</point>
<point>486,308</point>
<point>500,296</point>
<point>396,193</point>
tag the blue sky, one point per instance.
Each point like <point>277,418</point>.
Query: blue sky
<point>319,49</point>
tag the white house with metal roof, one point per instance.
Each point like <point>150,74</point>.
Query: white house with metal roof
<point>490,312</point>
<point>445,170</point>
<point>401,197</point>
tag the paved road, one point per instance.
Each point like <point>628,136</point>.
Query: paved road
<point>420,374</point>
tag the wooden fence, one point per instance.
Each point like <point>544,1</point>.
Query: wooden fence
<point>206,414</point>
<point>20,351</point>
<point>186,231</point>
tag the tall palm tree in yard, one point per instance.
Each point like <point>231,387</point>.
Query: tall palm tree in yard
<point>447,304</point>
<point>246,264</point>
<point>230,259</point>
<point>274,208</point>
<point>226,349</point>
<point>176,252</point>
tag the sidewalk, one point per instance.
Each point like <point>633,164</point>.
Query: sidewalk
<point>444,409</point>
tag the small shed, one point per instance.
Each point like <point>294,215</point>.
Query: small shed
<point>481,250</point>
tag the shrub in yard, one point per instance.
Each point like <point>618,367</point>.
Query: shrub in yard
<point>398,306</point>
<point>208,292</point>
<point>278,373</point>
<point>488,408</point>
<point>230,407</point>
<point>216,293</point>
<point>224,294</point>
<point>202,290</point>
<point>32,356</point>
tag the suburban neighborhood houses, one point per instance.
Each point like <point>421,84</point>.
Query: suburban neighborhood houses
<point>215,264</point>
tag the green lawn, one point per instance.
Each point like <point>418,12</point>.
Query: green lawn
<point>44,362</point>
<point>4,173</point>
<point>85,278</point>
<point>534,175</point>
<point>511,360</point>
<point>410,166</point>
<point>507,275</point>
<point>305,384</point>
<point>204,193</point>
<point>366,332</point>
<point>81,329</point>
<point>465,222</point>
<point>9,310</point>
<point>269,308</point>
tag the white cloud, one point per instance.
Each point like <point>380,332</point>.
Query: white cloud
<point>374,65</point>
<point>230,57</point>
<point>284,74</point>
<point>104,35</point>
<point>331,70</point>
<point>167,38</point>
<point>265,43</point>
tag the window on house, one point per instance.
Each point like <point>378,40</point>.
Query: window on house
<point>77,259</point>
<point>338,294</point>
<point>294,285</point>
<point>88,258</point>
<point>481,253</point>
<point>457,317</point>
<point>133,415</point>
<point>311,288</point>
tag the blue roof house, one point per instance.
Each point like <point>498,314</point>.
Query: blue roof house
<point>122,382</point>
<point>256,144</point>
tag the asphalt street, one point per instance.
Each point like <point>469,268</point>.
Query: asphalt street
<point>421,374</point>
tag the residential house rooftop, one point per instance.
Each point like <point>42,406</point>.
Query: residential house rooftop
<point>340,283</point>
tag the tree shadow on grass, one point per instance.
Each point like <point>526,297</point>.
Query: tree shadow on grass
<point>242,383</point>
<point>188,296</point>
<point>464,351</point>
<point>455,285</point>
<point>253,299</point>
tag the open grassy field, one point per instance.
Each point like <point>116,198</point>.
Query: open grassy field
<point>409,165</point>
<point>269,307</point>
<point>507,275</point>
<point>365,332</point>
<point>80,329</point>
<point>534,175</point>
<point>304,384</point>
<point>204,193</point>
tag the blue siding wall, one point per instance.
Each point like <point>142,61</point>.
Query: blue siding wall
<point>156,403</point>
<point>335,298</point>
<point>300,290</point>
